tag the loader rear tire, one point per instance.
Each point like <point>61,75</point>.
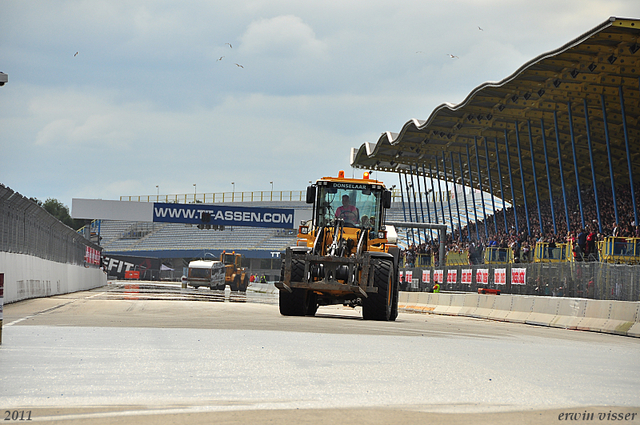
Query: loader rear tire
<point>380,305</point>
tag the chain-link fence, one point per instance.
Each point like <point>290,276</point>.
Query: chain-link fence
<point>580,279</point>
<point>26,228</point>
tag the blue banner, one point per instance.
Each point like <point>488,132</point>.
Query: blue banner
<point>223,215</point>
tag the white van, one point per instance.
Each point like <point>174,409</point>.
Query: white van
<point>206,273</point>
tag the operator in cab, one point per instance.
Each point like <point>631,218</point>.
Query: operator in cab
<point>349,213</point>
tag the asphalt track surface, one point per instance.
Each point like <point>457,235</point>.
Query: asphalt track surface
<point>151,354</point>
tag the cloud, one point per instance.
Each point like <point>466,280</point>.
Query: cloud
<point>282,37</point>
<point>71,118</point>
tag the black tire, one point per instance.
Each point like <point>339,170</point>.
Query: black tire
<point>295,303</point>
<point>312,308</point>
<point>236,283</point>
<point>245,283</point>
<point>379,305</point>
<point>394,302</point>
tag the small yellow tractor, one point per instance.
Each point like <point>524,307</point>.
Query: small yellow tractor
<point>235,275</point>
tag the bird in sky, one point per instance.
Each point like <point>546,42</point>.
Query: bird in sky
<point>220,58</point>
<point>239,66</point>
<point>230,46</point>
<point>75,54</point>
<point>453,56</point>
<point>480,29</point>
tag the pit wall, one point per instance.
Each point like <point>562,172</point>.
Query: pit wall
<point>26,276</point>
<point>614,317</point>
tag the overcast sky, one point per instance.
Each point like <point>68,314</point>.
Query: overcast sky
<point>175,93</point>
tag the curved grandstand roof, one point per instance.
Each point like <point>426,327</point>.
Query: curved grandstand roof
<point>599,70</point>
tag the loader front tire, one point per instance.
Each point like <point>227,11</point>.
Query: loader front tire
<point>296,303</point>
<point>380,305</point>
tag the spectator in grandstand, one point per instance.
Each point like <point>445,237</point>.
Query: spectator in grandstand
<point>616,230</point>
<point>591,245</point>
<point>582,240</point>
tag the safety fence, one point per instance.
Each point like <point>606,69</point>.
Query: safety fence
<point>594,280</point>
<point>26,228</point>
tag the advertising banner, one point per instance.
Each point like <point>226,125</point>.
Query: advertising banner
<point>438,276</point>
<point>426,276</point>
<point>482,276</point>
<point>118,265</point>
<point>500,276</point>
<point>91,256</point>
<point>409,276</point>
<point>466,277</point>
<point>518,276</point>
<point>223,215</point>
<point>452,276</point>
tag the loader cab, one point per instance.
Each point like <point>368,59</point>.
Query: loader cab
<point>359,204</point>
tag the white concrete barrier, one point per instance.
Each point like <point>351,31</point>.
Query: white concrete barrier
<point>545,310</point>
<point>263,288</point>
<point>427,302</point>
<point>502,307</point>
<point>443,303</point>
<point>596,315</point>
<point>622,316</point>
<point>469,305</point>
<point>27,277</point>
<point>485,305</point>
<point>570,313</point>
<point>520,309</point>
<point>412,301</point>
<point>635,328</point>
<point>616,317</point>
<point>457,304</point>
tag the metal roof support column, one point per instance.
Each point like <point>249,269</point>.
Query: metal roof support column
<point>433,190</point>
<point>524,189</point>
<point>440,193</point>
<point>426,196</point>
<point>444,166</point>
<point>593,170</point>
<point>546,163</point>
<point>415,201</point>
<point>421,208</point>
<point>606,137</point>
<point>404,211</point>
<point>504,213</point>
<point>406,182</point>
<point>626,143</point>
<point>564,190</point>
<point>575,162</point>
<point>493,201</point>
<point>473,196</point>
<point>484,211</point>
<point>535,177</point>
<point>464,193</point>
<point>513,193</point>
<point>453,177</point>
